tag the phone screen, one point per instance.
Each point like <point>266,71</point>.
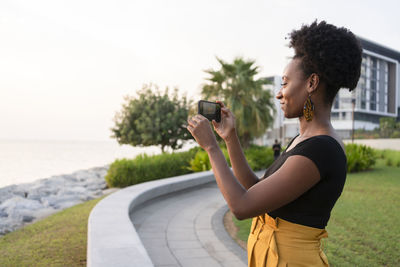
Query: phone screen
<point>210,110</point>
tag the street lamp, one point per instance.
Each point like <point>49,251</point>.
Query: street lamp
<point>353,103</point>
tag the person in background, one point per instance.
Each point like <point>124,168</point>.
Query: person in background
<point>277,149</point>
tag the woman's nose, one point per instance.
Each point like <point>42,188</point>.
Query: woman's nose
<point>279,94</point>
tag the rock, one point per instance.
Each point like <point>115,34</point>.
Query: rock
<point>17,208</point>
<point>27,218</point>
<point>17,202</point>
<point>7,226</point>
<point>7,192</point>
<point>93,186</point>
<point>41,189</point>
<point>97,193</point>
<point>82,175</point>
<point>76,190</point>
<point>70,178</point>
<point>42,213</point>
<point>55,182</point>
<point>25,203</point>
<point>66,204</point>
<point>34,196</point>
<point>55,200</point>
<point>3,214</point>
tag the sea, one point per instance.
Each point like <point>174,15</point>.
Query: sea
<point>24,161</point>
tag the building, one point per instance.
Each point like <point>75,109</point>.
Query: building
<point>377,95</point>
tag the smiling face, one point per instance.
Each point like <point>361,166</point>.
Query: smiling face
<point>293,92</point>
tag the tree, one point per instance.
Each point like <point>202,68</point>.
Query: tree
<point>152,118</point>
<point>236,86</point>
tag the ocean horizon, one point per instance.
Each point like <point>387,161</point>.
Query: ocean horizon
<point>25,161</point>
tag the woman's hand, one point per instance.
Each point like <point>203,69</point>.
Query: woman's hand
<point>200,128</point>
<point>227,126</point>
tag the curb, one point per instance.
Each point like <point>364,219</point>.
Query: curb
<point>224,237</point>
<point>112,237</point>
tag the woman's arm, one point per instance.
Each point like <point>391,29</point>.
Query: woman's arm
<point>227,130</point>
<point>296,176</point>
<point>240,166</point>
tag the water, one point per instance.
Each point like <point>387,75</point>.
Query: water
<point>26,161</point>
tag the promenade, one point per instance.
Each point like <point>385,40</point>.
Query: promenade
<point>186,229</point>
<point>382,143</point>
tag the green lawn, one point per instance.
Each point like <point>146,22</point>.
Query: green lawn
<point>364,228</point>
<point>58,240</point>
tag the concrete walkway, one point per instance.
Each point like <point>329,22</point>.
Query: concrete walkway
<point>186,229</point>
<point>392,143</point>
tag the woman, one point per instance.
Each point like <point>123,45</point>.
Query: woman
<point>291,204</point>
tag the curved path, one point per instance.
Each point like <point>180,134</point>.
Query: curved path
<point>186,229</point>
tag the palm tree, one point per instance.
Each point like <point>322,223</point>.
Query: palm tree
<point>235,85</point>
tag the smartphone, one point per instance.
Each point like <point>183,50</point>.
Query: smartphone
<point>210,110</point>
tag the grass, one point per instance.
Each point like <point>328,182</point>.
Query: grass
<point>244,228</point>
<point>391,157</point>
<point>364,228</point>
<point>57,240</point>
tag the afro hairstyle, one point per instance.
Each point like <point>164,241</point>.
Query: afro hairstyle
<point>333,53</point>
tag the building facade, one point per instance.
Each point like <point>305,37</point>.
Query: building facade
<point>377,95</point>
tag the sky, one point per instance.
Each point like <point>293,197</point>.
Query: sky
<point>65,66</point>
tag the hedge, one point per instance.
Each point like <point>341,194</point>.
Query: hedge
<point>143,168</point>
<point>201,161</point>
<point>126,172</point>
<point>259,157</point>
<point>359,157</point>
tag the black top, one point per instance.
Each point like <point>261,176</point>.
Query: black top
<point>313,208</point>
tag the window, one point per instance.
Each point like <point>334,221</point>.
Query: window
<point>372,95</point>
<point>373,84</point>
<point>372,89</point>
<point>335,115</point>
<point>336,102</point>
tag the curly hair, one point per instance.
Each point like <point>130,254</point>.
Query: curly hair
<point>333,53</point>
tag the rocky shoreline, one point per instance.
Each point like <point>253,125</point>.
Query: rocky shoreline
<point>26,203</point>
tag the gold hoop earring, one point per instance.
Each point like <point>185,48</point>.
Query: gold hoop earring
<point>308,110</point>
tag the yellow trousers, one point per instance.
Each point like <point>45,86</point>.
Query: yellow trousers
<point>277,242</point>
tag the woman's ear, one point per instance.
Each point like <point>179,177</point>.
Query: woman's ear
<point>313,82</point>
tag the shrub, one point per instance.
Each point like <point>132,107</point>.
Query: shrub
<point>126,172</point>
<point>259,157</point>
<point>201,161</point>
<point>191,153</point>
<point>389,162</point>
<point>396,134</point>
<point>359,157</point>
